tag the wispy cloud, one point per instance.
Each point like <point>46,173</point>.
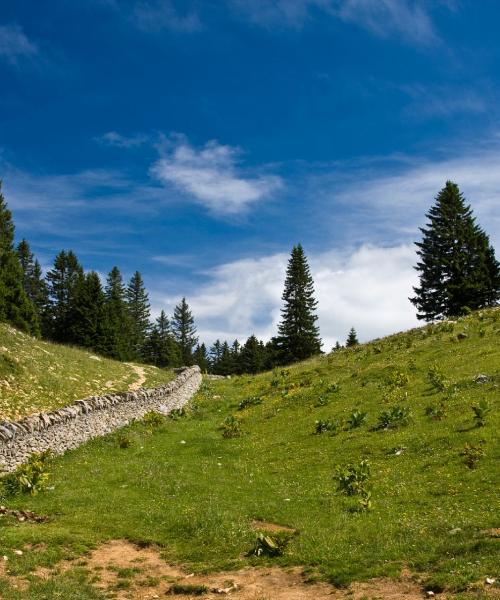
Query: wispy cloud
<point>157,15</point>
<point>113,138</point>
<point>15,45</point>
<point>427,102</point>
<point>384,18</point>
<point>211,176</point>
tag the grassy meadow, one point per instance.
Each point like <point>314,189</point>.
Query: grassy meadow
<point>267,448</point>
<point>39,376</point>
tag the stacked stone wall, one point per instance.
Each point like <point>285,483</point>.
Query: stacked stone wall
<point>71,426</point>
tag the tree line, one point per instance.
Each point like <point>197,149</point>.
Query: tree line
<point>457,269</point>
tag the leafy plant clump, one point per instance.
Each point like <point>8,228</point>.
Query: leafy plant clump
<point>153,418</point>
<point>323,426</point>
<point>183,589</point>
<point>437,379</point>
<point>437,412</point>
<point>472,454</point>
<point>123,440</point>
<point>396,416</point>
<point>251,401</point>
<point>354,480</point>
<point>275,545</point>
<point>481,410</point>
<point>177,413</point>
<point>356,419</point>
<point>231,427</point>
<point>29,478</point>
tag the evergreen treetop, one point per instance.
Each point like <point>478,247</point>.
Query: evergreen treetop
<point>457,265</point>
<point>298,334</point>
<point>352,339</point>
<point>15,305</point>
<point>184,331</point>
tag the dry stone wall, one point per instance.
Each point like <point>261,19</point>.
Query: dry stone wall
<point>73,425</point>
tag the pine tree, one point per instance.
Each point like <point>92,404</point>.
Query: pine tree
<point>352,339</point>
<point>63,281</point>
<point>337,347</point>
<point>200,358</point>
<point>226,364</point>
<point>252,356</point>
<point>184,331</point>
<point>298,334</point>
<point>138,306</point>
<point>117,323</point>
<point>169,352</point>
<point>215,356</point>
<point>235,353</point>
<point>88,321</point>
<point>15,306</point>
<point>33,282</point>
<point>457,265</point>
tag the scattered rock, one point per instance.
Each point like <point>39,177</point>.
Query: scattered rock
<point>490,580</point>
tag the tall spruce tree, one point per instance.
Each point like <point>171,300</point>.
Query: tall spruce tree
<point>15,306</point>
<point>457,265</point>
<point>252,356</point>
<point>63,282</point>
<point>138,306</point>
<point>200,358</point>
<point>168,351</point>
<point>117,333</point>
<point>352,339</point>
<point>33,281</point>
<point>88,321</point>
<point>184,331</point>
<point>298,335</point>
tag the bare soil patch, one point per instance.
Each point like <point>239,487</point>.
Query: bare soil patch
<point>141,574</point>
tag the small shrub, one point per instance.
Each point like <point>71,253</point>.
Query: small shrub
<point>480,411</point>
<point>396,416</point>
<point>356,419</point>
<point>123,440</point>
<point>353,480</point>
<point>472,454</point>
<point>437,412</point>
<point>177,413</point>
<point>323,426</point>
<point>322,401</point>
<point>30,477</point>
<point>275,545</point>
<point>184,589</point>
<point>333,388</point>
<point>231,427</point>
<point>252,401</point>
<point>437,379</point>
<point>399,379</point>
<point>153,418</point>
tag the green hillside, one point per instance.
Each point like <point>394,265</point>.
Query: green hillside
<point>39,376</point>
<point>247,450</point>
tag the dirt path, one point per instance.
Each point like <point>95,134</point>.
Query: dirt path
<point>141,378</point>
<point>140,573</point>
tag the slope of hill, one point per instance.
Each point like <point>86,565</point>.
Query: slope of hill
<point>257,452</point>
<point>38,376</point>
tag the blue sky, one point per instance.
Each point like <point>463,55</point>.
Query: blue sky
<point>197,141</point>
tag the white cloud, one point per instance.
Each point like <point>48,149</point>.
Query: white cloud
<point>14,44</point>
<point>155,16</point>
<point>367,288</point>
<point>113,138</point>
<point>384,18</point>
<point>212,177</point>
<point>444,101</point>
